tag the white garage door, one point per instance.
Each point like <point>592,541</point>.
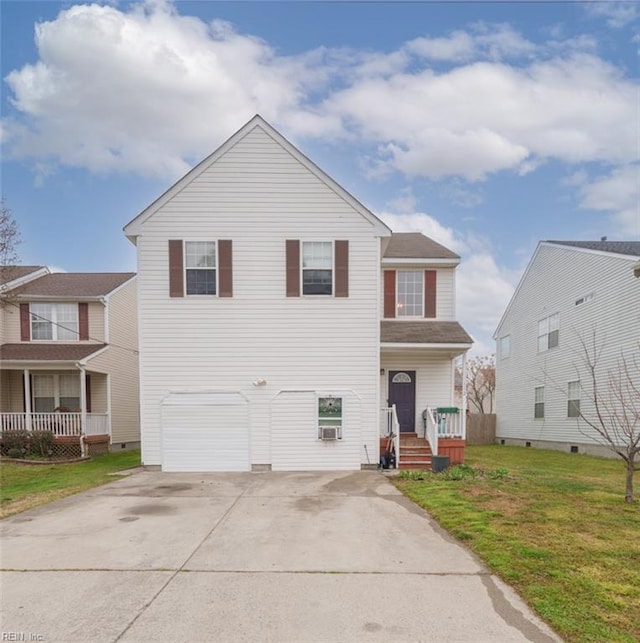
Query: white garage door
<point>205,432</point>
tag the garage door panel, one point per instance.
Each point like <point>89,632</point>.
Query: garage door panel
<point>205,433</point>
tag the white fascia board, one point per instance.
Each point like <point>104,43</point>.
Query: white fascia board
<point>449,263</point>
<point>415,346</point>
<point>70,298</point>
<point>16,283</point>
<point>41,365</point>
<point>602,253</point>
<point>133,228</point>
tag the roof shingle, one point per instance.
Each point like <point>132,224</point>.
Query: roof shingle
<point>74,284</point>
<point>423,332</point>
<point>47,352</point>
<point>631,248</point>
<point>414,245</point>
<point>9,273</point>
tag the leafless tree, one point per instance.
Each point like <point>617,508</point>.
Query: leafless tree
<point>481,383</point>
<point>9,240</point>
<point>612,415</point>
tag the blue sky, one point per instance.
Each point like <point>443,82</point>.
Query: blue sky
<point>487,126</point>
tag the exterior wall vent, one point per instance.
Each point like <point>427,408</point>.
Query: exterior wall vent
<point>527,444</point>
<point>574,449</point>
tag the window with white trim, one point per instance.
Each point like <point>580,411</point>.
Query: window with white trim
<point>573,399</point>
<point>505,346</point>
<point>538,409</point>
<point>317,267</point>
<point>200,267</point>
<point>51,392</point>
<point>410,293</point>
<point>329,417</point>
<point>54,321</point>
<point>548,332</point>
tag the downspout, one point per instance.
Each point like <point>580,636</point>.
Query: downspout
<point>83,407</point>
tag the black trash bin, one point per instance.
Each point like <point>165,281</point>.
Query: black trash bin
<point>439,463</point>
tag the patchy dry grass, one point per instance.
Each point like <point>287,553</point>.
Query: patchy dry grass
<point>555,527</point>
<point>24,486</point>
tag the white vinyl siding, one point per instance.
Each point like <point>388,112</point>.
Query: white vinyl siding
<point>259,195</point>
<point>555,279</point>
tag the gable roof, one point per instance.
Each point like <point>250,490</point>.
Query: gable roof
<point>74,284</point>
<point>415,245</point>
<point>631,248</point>
<point>132,229</point>
<point>10,273</point>
<point>623,249</point>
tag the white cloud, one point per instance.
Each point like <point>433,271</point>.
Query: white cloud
<point>616,14</point>
<point>617,193</point>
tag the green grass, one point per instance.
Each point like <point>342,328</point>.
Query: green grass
<point>554,526</point>
<point>24,486</point>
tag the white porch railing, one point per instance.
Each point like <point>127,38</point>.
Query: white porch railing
<point>61,424</point>
<point>444,423</point>
<point>390,428</point>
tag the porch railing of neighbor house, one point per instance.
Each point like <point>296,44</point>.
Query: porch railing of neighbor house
<point>390,427</point>
<point>61,424</point>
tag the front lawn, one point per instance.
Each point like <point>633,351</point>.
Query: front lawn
<point>24,486</point>
<point>554,526</point>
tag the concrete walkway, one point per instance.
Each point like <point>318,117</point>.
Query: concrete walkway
<point>299,557</point>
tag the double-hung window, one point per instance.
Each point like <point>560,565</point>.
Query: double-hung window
<point>573,399</point>
<point>54,321</point>
<point>56,391</point>
<point>538,409</point>
<point>200,267</point>
<point>505,346</point>
<point>410,297</point>
<point>317,268</point>
<point>548,332</point>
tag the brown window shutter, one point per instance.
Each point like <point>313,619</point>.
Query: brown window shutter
<point>293,268</point>
<point>83,321</point>
<point>389,293</point>
<point>25,323</point>
<point>176,268</point>
<point>225,268</point>
<point>430,293</point>
<point>341,260</point>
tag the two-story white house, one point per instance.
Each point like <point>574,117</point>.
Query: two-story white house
<point>278,316</point>
<point>69,358</point>
<point>571,292</point>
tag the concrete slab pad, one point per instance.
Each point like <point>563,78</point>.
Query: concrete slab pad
<point>324,483</point>
<point>208,606</point>
<point>330,533</point>
<point>159,484</point>
<point>70,607</point>
<point>110,532</point>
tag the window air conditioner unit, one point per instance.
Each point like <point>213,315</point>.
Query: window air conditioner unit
<point>329,432</point>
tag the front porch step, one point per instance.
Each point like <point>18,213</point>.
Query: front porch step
<point>415,453</point>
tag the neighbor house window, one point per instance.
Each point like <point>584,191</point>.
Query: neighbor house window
<point>200,267</point>
<point>56,391</point>
<point>548,332</point>
<point>329,418</point>
<point>317,267</point>
<point>505,346</point>
<point>538,411</point>
<point>573,399</point>
<point>410,297</point>
<point>54,321</point>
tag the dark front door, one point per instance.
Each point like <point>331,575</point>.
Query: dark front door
<point>402,393</point>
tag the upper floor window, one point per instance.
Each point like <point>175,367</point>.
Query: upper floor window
<point>54,321</point>
<point>573,399</point>
<point>317,267</point>
<point>200,267</point>
<point>548,332</point>
<point>505,346</point>
<point>410,297</point>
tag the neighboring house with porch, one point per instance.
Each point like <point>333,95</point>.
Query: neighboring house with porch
<point>68,357</point>
<point>571,292</point>
<point>283,326</point>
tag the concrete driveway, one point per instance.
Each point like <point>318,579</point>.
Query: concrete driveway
<point>248,557</point>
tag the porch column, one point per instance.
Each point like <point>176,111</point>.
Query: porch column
<point>464,396</point>
<point>27,398</point>
<point>83,409</point>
